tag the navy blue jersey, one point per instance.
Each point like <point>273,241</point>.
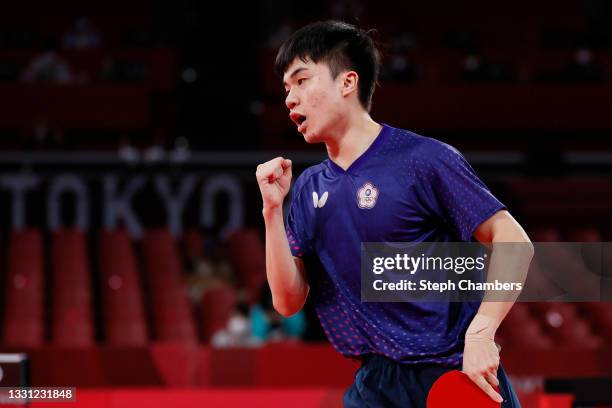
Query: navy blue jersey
<point>404,188</point>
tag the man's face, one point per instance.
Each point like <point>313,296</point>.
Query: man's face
<point>314,99</point>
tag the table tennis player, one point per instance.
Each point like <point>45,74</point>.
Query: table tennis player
<point>379,184</point>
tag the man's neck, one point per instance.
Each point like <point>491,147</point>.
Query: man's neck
<point>352,141</point>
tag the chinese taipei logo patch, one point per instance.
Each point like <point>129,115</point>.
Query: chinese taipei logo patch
<point>367,195</point>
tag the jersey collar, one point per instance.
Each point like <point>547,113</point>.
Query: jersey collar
<point>359,161</point>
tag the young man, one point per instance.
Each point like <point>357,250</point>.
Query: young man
<point>418,189</point>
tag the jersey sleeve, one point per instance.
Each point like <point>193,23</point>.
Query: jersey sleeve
<point>296,227</point>
<point>455,194</point>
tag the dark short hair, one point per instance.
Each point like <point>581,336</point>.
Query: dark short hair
<point>342,46</point>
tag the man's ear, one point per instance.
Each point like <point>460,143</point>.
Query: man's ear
<point>349,83</point>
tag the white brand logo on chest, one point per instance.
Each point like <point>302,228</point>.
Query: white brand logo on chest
<point>367,195</point>
<point>319,202</point>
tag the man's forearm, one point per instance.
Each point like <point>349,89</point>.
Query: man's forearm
<point>509,263</point>
<point>287,283</point>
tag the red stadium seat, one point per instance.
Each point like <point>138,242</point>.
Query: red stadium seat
<point>525,335</point>
<point>73,334</point>
<point>217,306</point>
<point>248,255</point>
<point>562,322</point>
<point>193,243</point>
<point>599,314</point>
<point>578,335</point>
<point>545,234</point>
<point>72,322</point>
<point>123,307</point>
<point>171,310</point>
<point>583,235</point>
<point>520,330</point>
<point>182,332</point>
<point>127,334</point>
<point>24,333</point>
<point>24,294</point>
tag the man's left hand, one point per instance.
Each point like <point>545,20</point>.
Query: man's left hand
<point>481,357</point>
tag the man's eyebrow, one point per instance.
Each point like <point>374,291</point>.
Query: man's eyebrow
<point>294,73</point>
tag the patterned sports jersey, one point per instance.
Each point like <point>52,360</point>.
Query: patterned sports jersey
<point>404,188</point>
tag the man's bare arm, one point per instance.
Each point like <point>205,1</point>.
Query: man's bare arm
<point>508,263</point>
<point>286,275</point>
<point>500,228</point>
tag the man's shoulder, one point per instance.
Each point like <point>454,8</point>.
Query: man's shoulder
<point>309,174</point>
<point>422,147</point>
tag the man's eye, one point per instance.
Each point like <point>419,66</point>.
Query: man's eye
<point>299,82</point>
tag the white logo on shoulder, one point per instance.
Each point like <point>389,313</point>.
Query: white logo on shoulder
<point>319,202</point>
<point>367,195</point>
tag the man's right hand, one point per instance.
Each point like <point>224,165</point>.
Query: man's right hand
<point>274,179</point>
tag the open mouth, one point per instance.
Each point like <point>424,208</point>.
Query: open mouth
<point>301,124</point>
<point>299,120</point>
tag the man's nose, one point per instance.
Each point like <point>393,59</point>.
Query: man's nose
<point>291,100</point>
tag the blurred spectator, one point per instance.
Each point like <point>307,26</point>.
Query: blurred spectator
<point>398,69</point>
<point>562,37</point>
<point>403,42</point>
<point>472,68</point>
<point>204,272</point>
<point>268,325</point>
<point>582,69</point>
<point>475,69</point>
<point>237,333</point>
<point>48,67</point>
<point>156,152</point>
<point>397,66</point>
<point>82,35</point>
<point>200,276</point>
<point>180,153</point>
<point>127,152</point>
<point>42,134</point>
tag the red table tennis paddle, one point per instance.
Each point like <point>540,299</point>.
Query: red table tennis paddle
<point>455,389</point>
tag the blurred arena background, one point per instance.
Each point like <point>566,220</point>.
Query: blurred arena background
<point>131,256</point>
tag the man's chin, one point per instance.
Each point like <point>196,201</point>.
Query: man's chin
<point>311,137</point>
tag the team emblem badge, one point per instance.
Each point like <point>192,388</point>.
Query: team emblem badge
<point>367,195</point>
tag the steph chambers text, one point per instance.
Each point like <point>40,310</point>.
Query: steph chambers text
<point>449,285</point>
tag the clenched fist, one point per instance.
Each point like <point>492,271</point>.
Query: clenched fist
<point>274,179</point>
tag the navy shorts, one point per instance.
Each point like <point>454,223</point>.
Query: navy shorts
<point>384,383</point>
